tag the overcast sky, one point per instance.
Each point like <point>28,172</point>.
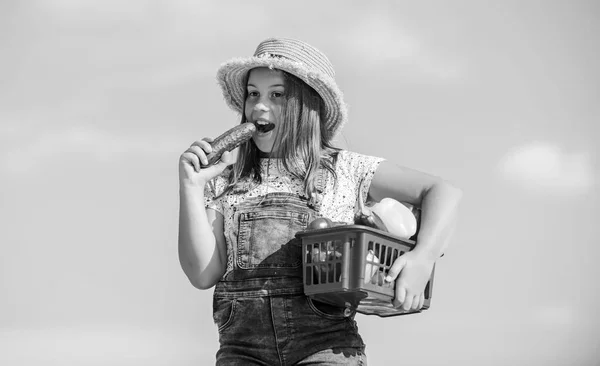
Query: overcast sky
<point>99,98</point>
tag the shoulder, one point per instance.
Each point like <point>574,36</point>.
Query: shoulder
<point>355,156</point>
<point>356,161</point>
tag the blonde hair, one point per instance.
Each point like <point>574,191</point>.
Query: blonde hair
<point>303,142</point>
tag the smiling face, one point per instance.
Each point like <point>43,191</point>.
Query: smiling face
<point>264,105</point>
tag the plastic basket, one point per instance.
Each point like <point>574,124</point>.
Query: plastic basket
<point>346,266</point>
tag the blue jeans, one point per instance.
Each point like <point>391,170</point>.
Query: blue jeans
<point>285,330</point>
<point>259,306</point>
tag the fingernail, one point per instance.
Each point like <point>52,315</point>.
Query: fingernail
<point>388,279</point>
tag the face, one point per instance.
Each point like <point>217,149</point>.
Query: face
<point>264,105</point>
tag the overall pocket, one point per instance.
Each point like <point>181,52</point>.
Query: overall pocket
<point>223,312</point>
<point>327,311</point>
<point>266,238</point>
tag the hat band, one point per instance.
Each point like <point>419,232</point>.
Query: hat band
<point>296,52</point>
<point>271,55</point>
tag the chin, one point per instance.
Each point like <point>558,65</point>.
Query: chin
<point>266,148</point>
<point>266,151</point>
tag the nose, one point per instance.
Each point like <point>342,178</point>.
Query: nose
<point>261,107</point>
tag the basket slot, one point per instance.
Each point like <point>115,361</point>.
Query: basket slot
<point>323,262</point>
<point>385,256</point>
<point>308,275</point>
<point>349,264</point>
<point>376,249</point>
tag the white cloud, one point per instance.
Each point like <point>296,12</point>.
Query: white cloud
<point>546,168</point>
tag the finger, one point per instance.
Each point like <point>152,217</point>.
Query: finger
<point>227,158</point>
<point>208,139</point>
<point>415,302</point>
<point>201,154</point>
<point>421,301</point>
<point>204,145</point>
<point>192,159</point>
<point>407,305</point>
<point>395,269</point>
<point>400,297</point>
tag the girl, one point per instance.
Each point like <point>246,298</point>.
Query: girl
<point>238,218</point>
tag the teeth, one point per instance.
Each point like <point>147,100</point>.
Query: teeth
<point>263,123</point>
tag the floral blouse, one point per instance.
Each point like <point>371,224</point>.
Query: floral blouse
<point>338,202</point>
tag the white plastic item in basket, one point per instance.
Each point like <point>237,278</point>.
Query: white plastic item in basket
<point>370,268</point>
<point>398,219</point>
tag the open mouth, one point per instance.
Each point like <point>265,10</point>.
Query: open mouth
<point>263,126</point>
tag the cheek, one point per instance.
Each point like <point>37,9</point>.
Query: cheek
<point>277,111</point>
<point>248,107</point>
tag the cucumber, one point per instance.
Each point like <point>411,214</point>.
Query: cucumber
<point>229,140</point>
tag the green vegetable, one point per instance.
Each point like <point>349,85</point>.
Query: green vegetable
<point>229,140</point>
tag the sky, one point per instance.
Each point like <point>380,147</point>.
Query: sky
<point>99,98</point>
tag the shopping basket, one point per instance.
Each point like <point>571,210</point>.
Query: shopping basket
<point>346,265</point>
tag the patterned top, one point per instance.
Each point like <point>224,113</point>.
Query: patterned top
<point>338,200</point>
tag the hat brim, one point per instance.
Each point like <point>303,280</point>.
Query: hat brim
<point>231,76</point>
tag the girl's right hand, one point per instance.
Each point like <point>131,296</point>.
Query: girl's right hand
<point>192,164</point>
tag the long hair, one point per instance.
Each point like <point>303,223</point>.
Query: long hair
<point>303,143</point>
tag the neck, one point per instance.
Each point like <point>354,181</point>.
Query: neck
<point>263,154</point>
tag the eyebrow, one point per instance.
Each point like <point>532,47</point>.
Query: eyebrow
<point>272,86</point>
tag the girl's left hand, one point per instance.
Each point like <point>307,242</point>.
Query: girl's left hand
<point>414,271</point>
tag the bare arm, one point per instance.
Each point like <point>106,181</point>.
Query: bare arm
<point>437,199</point>
<point>202,248</point>
<point>201,242</point>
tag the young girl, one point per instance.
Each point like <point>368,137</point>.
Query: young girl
<point>238,218</point>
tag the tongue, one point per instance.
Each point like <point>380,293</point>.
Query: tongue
<point>265,128</point>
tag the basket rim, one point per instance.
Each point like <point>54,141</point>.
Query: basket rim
<point>353,228</point>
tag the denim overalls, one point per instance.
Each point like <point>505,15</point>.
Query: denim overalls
<point>262,314</point>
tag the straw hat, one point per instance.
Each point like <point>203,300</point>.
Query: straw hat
<point>295,57</point>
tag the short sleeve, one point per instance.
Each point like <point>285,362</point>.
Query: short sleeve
<point>361,167</point>
<point>215,187</point>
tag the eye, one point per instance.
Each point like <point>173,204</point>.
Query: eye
<point>253,94</point>
<point>276,94</point>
